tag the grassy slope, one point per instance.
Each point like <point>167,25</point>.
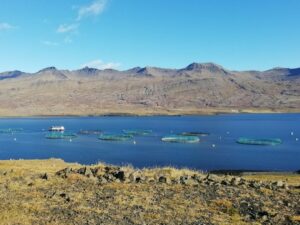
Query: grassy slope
<point>26,198</point>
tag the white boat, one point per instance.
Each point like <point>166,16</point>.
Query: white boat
<point>57,128</point>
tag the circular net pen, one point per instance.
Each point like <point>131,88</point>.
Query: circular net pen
<point>181,139</point>
<point>115,137</point>
<point>195,133</point>
<point>11,130</point>
<point>90,132</point>
<point>138,132</point>
<point>60,135</point>
<point>259,141</point>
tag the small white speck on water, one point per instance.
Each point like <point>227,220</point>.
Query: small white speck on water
<point>70,140</point>
<point>213,145</point>
<point>134,142</point>
<point>15,139</point>
<point>297,139</point>
<point>292,133</point>
<point>227,132</point>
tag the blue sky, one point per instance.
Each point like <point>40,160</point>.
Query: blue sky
<point>238,34</point>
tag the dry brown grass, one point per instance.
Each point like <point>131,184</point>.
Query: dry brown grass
<point>296,218</point>
<point>25,198</point>
<point>290,179</point>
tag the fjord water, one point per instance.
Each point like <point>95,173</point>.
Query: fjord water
<point>149,151</point>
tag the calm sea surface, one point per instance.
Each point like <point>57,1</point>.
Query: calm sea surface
<point>149,151</point>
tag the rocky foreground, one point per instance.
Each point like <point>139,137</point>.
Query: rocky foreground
<point>55,192</point>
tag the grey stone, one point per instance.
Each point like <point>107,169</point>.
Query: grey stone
<point>136,177</point>
<point>44,176</point>
<point>109,177</point>
<point>88,172</point>
<point>162,179</point>
<point>64,172</point>
<point>102,180</point>
<point>224,182</point>
<point>279,184</point>
<point>120,175</point>
<point>236,181</point>
<point>184,179</point>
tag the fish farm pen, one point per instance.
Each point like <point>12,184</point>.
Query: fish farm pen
<point>10,130</point>
<point>181,139</point>
<point>138,132</point>
<point>60,135</point>
<point>115,137</point>
<point>202,134</point>
<point>90,132</point>
<point>252,141</point>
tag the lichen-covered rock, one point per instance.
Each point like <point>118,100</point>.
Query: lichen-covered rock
<point>64,173</point>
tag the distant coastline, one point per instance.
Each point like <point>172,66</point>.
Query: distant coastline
<point>211,112</point>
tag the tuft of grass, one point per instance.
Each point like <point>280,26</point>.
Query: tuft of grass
<point>295,218</point>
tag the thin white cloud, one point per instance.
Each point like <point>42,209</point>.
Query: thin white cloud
<point>50,43</point>
<point>99,64</point>
<point>93,9</point>
<point>68,40</point>
<point>6,26</point>
<point>66,28</point>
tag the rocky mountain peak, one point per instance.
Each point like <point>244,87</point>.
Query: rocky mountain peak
<point>204,66</point>
<point>48,69</point>
<point>148,71</point>
<point>88,70</point>
<point>199,68</point>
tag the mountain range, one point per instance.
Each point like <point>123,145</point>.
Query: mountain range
<point>196,89</point>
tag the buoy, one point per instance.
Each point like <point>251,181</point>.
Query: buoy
<point>213,145</point>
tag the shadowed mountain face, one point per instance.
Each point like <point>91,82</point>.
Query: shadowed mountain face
<point>10,74</point>
<point>283,73</point>
<point>197,88</point>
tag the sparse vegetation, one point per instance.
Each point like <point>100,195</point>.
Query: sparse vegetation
<point>55,192</point>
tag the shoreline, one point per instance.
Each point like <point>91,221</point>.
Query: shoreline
<point>223,172</point>
<point>253,172</point>
<point>210,112</point>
